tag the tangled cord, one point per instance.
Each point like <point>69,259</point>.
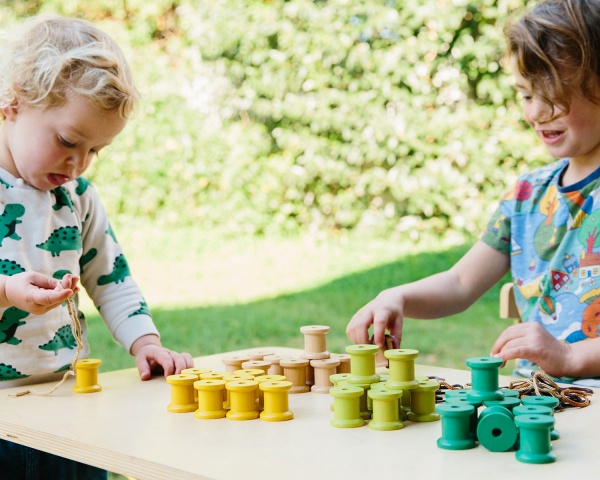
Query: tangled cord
<point>540,384</point>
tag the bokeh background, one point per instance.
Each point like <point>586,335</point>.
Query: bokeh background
<point>290,159</point>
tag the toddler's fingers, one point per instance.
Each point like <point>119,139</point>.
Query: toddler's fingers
<point>182,361</point>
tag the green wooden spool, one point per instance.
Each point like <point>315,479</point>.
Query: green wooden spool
<point>534,438</point>
<point>456,434</point>
<point>385,410</point>
<point>496,429</point>
<point>346,406</point>
<point>362,363</point>
<point>422,402</point>
<point>336,378</point>
<point>545,401</point>
<point>402,368</point>
<point>507,402</point>
<point>460,399</point>
<point>484,378</point>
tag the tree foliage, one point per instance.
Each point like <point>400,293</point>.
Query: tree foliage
<point>262,116</point>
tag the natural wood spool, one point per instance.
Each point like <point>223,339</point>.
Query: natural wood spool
<point>294,370</point>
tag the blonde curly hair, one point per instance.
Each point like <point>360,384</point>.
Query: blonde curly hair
<point>52,55</point>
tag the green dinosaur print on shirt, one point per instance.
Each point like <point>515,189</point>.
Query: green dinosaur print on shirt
<point>110,232</point>
<point>9,222</point>
<point>143,310</point>
<point>87,258</point>
<point>10,321</point>
<point>82,185</point>
<point>10,267</point>
<point>61,239</point>
<point>8,372</point>
<point>118,274</point>
<point>59,274</point>
<point>62,339</point>
<point>7,185</point>
<point>63,199</point>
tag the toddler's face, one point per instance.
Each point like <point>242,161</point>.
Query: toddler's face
<point>574,135</point>
<point>48,147</point>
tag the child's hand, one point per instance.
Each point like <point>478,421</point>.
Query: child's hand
<point>532,342</point>
<point>151,356</point>
<point>385,312</point>
<point>36,293</point>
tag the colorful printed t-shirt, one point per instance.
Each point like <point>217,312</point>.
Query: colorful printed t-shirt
<point>64,230</point>
<point>552,235</point>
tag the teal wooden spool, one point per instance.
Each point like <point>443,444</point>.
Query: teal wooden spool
<point>362,363</point>
<point>545,401</point>
<point>346,410</point>
<point>509,392</point>
<point>484,378</point>
<point>534,438</point>
<point>462,399</point>
<point>385,410</point>
<point>456,434</point>
<point>455,393</point>
<point>507,402</point>
<point>496,429</point>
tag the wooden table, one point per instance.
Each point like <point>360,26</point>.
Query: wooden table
<point>127,429</point>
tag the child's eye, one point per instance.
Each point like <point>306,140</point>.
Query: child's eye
<point>65,143</point>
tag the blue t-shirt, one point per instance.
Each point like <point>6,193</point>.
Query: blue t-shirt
<point>552,234</point>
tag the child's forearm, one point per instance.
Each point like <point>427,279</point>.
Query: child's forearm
<point>583,359</point>
<point>437,296</point>
<point>455,290</point>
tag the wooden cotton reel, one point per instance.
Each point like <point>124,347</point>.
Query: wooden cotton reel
<point>86,376</point>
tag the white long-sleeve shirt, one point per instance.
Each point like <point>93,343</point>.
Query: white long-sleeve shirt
<point>64,230</point>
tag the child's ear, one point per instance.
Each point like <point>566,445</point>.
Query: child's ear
<point>11,112</point>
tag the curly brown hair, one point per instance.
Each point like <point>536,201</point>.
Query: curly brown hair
<point>556,47</point>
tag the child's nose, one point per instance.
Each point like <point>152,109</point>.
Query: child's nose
<point>78,160</point>
<point>540,111</point>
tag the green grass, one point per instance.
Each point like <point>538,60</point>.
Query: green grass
<point>217,295</point>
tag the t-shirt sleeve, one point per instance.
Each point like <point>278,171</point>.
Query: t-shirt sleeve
<point>497,233</point>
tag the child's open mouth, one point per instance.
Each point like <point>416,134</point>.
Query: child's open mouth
<point>551,136</point>
<point>57,179</point>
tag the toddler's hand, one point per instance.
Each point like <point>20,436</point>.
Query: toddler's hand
<point>151,356</point>
<point>384,313</point>
<point>532,342</point>
<point>36,293</point>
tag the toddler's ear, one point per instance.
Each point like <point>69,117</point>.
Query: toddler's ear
<point>10,112</point>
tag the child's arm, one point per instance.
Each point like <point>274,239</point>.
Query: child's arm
<point>150,354</point>
<point>35,293</point>
<point>532,341</point>
<point>436,296</point>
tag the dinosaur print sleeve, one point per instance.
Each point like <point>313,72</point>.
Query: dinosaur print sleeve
<point>106,276</point>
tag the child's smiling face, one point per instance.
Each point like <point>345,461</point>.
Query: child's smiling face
<point>48,147</point>
<point>574,135</point>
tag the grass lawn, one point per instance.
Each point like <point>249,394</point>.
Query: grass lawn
<point>211,295</point>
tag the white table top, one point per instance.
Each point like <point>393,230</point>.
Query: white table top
<point>127,429</point>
